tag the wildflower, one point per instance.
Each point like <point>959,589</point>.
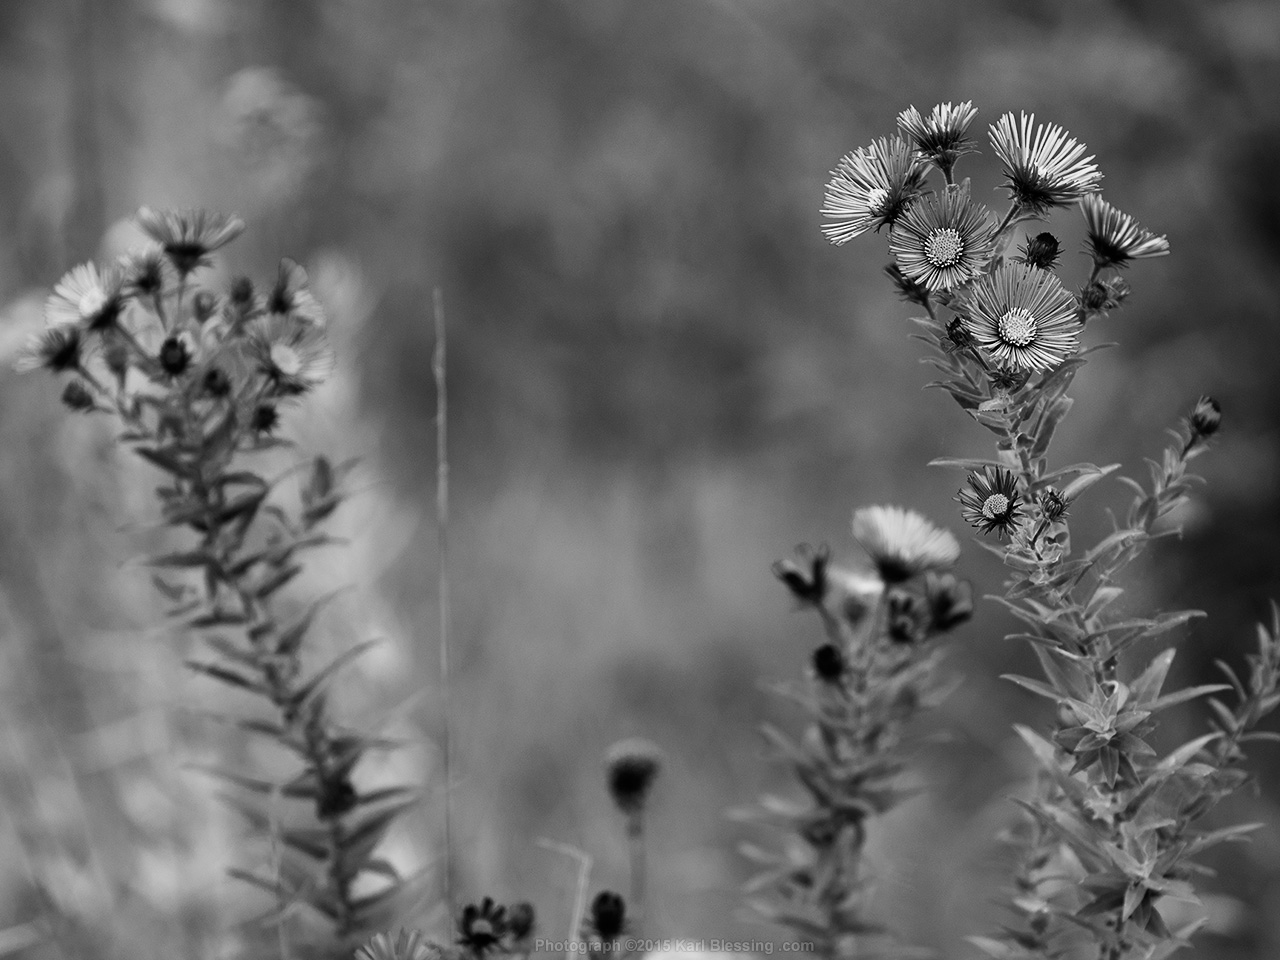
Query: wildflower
<point>992,501</point>
<point>144,271</point>
<point>907,619</point>
<point>1114,238</point>
<point>632,766</point>
<point>87,297</point>
<point>521,920</point>
<point>1046,168</point>
<point>908,289</point>
<point>77,397</point>
<point>216,383</point>
<point>608,915</point>
<point>295,354</point>
<point>1041,251</point>
<point>189,236</point>
<point>1053,504</point>
<point>292,296</point>
<point>482,927</point>
<point>807,578</point>
<point>1023,317</point>
<point>175,356</point>
<point>870,188</point>
<point>829,663</point>
<point>949,600</point>
<point>942,242</point>
<point>853,595</point>
<point>265,418</point>
<point>408,945</point>
<point>57,349</point>
<point>902,543</point>
<point>1205,419</point>
<point>941,136</point>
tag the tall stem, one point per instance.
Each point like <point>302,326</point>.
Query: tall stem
<point>442,540</point>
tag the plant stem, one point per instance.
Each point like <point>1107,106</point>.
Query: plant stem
<point>442,539</point>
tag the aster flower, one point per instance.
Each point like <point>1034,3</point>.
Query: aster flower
<point>295,354</point>
<point>942,241</point>
<point>1115,238</point>
<point>189,236</point>
<point>992,501</point>
<point>407,945</point>
<point>481,928</point>
<point>940,136</point>
<point>291,295</point>
<point>902,543</point>
<point>57,349</point>
<point>870,188</point>
<point>144,270</point>
<point>86,297</point>
<point>1045,168</point>
<point>1023,317</point>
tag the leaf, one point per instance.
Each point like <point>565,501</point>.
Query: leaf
<point>291,636</point>
<point>229,677</point>
<point>302,787</point>
<point>317,684</point>
<point>164,459</point>
<point>277,580</point>
<point>966,463</point>
<point>359,843</point>
<point>1148,683</point>
<point>1035,686</point>
<point>1182,696</point>
<point>187,559</point>
<point>1086,480</point>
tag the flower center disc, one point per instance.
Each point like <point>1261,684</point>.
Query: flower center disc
<point>91,301</point>
<point>1017,327</point>
<point>877,200</point>
<point>285,359</point>
<point>943,247</point>
<point>995,506</point>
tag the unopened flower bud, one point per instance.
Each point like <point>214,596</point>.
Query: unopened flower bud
<point>175,357</point>
<point>1206,418</point>
<point>829,663</point>
<point>203,304</point>
<point>631,766</point>
<point>608,915</point>
<point>77,397</point>
<point>806,576</point>
<point>1041,251</point>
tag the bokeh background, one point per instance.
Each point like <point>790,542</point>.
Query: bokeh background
<point>661,379</point>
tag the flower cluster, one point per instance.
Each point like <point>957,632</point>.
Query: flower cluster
<point>876,669</point>
<point>1111,825</point>
<point>199,378</point>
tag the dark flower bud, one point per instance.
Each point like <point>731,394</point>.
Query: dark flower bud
<point>335,798</point>
<point>829,663</point>
<point>174,356</point>
<point>265,418</point>
<point>521,919</point>
<point>1041,251</point>
<point>216,383</point>
<point>1093,297</point>
<point>203,304</point>
<point>950,601</point>
<point>805,577</point>
<point>241,292</point>
<point>1206,418</point>
<point>116,354</point>
<point>631,766</point>
<point>77,397</point>
<point>907,288</point>
<point>1010,380</point>
<point>608,915</point>
<point>958,335</point>
<point>1053,504</point>
<point>907,617</point>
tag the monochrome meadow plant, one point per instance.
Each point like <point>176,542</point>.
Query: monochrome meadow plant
<point>1110,832</point>
<point>198,382</point>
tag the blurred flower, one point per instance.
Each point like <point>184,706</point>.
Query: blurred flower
<point>216,383</point>
<point>870,188</point>
<point>942,241</point>
<point>949,599</point>
<point>408,945</point>
<point>1102,295</point>
<point>853,595</point>
<point>907,618</point>
<point>86,296</point>
<point>189,236</point>
<point>144,270</point>
<point>631,767</point>
<point>1045,168</point>
<point>57,349</point>
<point>608,915</point>
<point>521,920</point>
<point>941,136</point>
<point>1206,418</point>
<point>78,398</point>
<point>902,543</point>
<point>805,577</point>
<point>292,296</point>
<point>481,928</point>
<point>1041,251</point>
<point>1023,317</point>
<point>265,418</point>
<point>1114,238</point>
<point>295,354</point>
<point>175,355</point>
<point>829,663</point>
<point>992,501</point>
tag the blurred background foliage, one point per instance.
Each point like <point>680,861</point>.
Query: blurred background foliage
<point>661,379</point>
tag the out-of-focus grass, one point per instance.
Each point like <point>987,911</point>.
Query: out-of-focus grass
<point>662,379</point>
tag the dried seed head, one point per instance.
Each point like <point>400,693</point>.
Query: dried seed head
<point>631,767</point>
